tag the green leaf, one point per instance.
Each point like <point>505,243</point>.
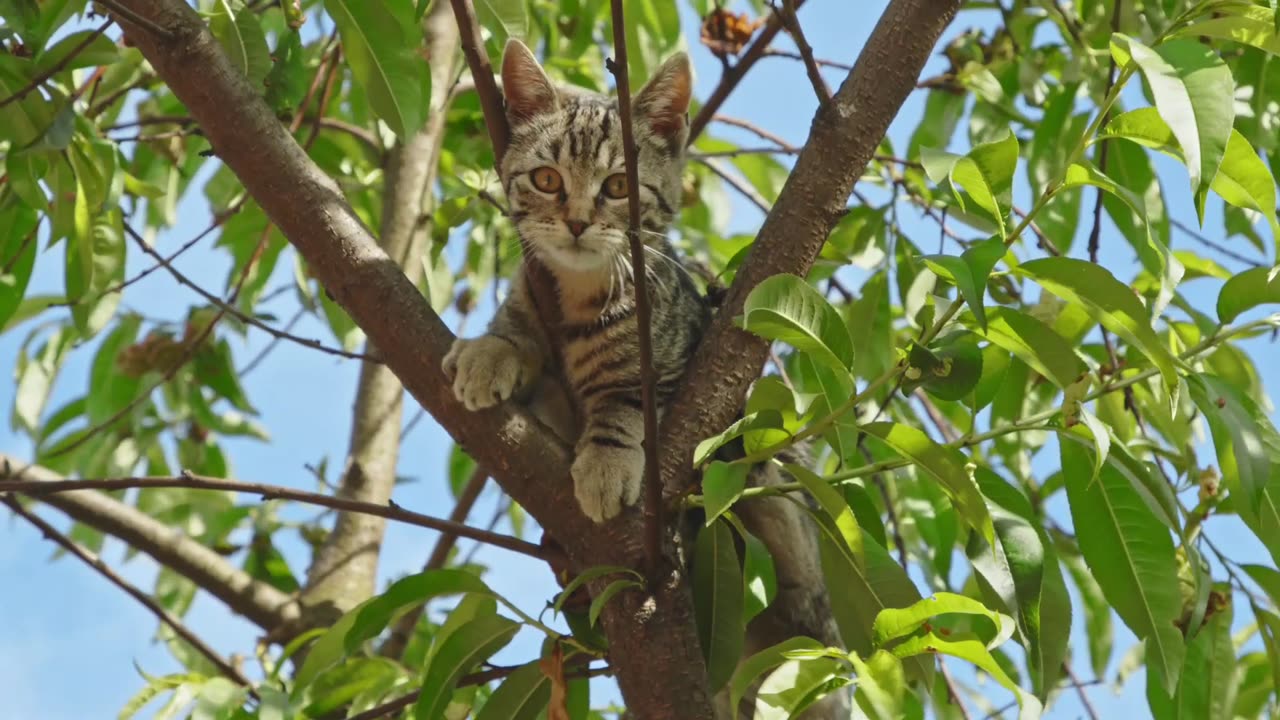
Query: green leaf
<point>455,655</point>
<point>374,616</point>
<point>95,264</point>
<point>587,576</point>
<point>944,464</point>
<point>18,250</point>
<point>287,82</point>
<point>870,579</point>
<point>1242,180</point>
<point>718,602</point>
<point>508,16</point>
<point>797,683</point>
<point>894,623</point>
<point>1194,93</point>
<point>1036,344</point>
<point>771,657</point>
<point>986,174</point>
<point>1246,291</point>
<point>970,271</point>
<point>785,307</point>
<point>949,370</point>
<point>763,420</point>
<point>101,50</point>
<point>521,696</point>
<point>1243,437</point>
<point>1207,682</point>
<point>600,600</point>
<point>881,685</point>
<point>1155,256</point>
<point>240,34</point>
<point>975,652</point>
<point>110,390</point>
<point>759,579</point>
<point>1108,301</point>
<point>1130,553</point>
<point>1249,25</point>
<point>384,60</point>
<point>722,485</point>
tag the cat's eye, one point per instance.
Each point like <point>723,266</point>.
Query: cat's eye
<point>546,179</point>
<point>615,186</point>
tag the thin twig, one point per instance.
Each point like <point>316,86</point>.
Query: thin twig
<point>271,346</point>
<point>128,14</point>
<point>644,313</point>
<point>57,67</point>
<point>736,183</point>
<point>392,511</point>
<point>792,23</point>
<point>1079,686</point>
<point>773,52</point>
<point>491,103</point>
<point>227,307</point>
<point>1095,232</point>
<point>698,155</point>
<point>733,75</point>
<point>192,347</point>
<point>759,131</point>
<point>952,692</point>
<point>1211,244</point>
<point>22,247</point>
<point>164,616</point>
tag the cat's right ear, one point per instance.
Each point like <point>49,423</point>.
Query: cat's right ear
<point>525,86</point>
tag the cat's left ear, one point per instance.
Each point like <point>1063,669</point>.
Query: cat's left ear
<point>664,101</point>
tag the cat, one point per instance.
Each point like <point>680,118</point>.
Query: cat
<point>566,184</point>
<point>564,178</point>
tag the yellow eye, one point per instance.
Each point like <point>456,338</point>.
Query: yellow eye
<point>615,186</point>
<point>546,179</point>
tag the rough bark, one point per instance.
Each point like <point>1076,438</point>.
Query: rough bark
<point>344,571</point>
<point>262,604</point>
<point>654,646</point>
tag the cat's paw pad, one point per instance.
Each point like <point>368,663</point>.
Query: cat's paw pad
<point>485,371</point>
<point>607,479</point>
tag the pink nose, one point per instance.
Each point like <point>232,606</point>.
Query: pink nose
<point>576,226</point>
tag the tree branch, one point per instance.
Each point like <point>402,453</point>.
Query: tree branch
<point>262,604</point>
<point>57,67</point>
<point>792,23</point>
<point>843,139</point>
<point>391,511</point>
<point>164,616</point>
<point>653,529</point>
<point>733,75</point>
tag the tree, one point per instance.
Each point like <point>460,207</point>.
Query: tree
<point>1010,420</point>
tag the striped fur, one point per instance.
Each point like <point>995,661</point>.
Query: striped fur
<point>591,337</point>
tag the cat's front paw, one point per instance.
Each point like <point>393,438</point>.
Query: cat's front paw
<point>606,479</point>
<point>486,371</point>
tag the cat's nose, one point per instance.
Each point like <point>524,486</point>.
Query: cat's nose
<point>576,226</point>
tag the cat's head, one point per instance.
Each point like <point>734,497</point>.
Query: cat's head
<point>563,171</point>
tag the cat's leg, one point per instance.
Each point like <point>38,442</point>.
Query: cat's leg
<point>507,359</point>
<point>608,467</point>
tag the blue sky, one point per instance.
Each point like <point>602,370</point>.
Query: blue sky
<point>70,641</point>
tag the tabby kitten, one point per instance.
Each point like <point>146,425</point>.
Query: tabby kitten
<point>564,177</point>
